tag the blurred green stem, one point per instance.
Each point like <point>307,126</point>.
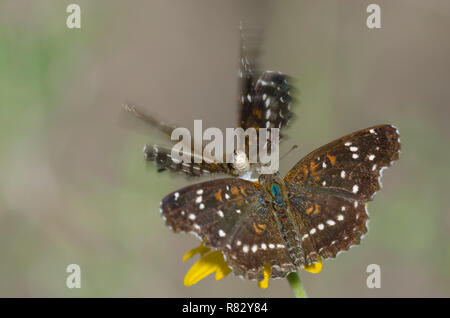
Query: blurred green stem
<point>296,285</point>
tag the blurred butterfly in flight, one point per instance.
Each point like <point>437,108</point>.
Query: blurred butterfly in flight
<point>317,209</point>
<point>264,103</point>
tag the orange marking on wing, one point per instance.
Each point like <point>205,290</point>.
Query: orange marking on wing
<point>332,159</point>
<point>316,209</point>
<point>259,228</point>
<point>309,209</point>
<point>235,190</point>
<point>243,191</point>
<point>305,171</point>
<point>313,165</point>
<point>219,195</point>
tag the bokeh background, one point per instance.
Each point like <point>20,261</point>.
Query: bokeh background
<point>74,187</point>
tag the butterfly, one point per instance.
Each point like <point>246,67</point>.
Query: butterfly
<point>317,210</point>
<point>264,103</point>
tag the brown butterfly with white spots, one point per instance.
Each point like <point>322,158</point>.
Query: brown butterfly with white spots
<point>317,209</point>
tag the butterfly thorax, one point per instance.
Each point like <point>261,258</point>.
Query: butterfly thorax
<point>241,163</point>
<point>276,189</point>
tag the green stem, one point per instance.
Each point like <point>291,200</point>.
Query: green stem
<point>296,285</point>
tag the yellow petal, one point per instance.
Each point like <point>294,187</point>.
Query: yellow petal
<point>267,271</point>
<point>314,268</point>
<point>208,264</point>
<point>202,250</point>
<point>222,270</point>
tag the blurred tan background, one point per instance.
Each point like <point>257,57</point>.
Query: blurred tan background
<point>74,187</point>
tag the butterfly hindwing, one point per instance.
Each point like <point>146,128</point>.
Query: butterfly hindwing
<point>267,105</point>
<point>231,215</point>
<point>327,223</point>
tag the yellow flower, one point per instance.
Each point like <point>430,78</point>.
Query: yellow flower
<point>213,261</point>
<point>265,282</point>
<point>315,268</point>
<point>209,263</point>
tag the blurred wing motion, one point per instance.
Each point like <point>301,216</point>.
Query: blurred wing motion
<point>231,215</point>
<point>266,103</point>
<point>161,156</point>
<point>328,189</point>
<point>164,161</point>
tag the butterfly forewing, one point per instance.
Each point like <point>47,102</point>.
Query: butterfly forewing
<point>164,161</point>
<point>231,215</point>
<point>350,166</point>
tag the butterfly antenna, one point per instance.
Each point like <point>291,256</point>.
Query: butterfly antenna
<point>290,150</point>
<point>149,120</point>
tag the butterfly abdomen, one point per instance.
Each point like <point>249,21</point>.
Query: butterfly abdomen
<point>286,225</point>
